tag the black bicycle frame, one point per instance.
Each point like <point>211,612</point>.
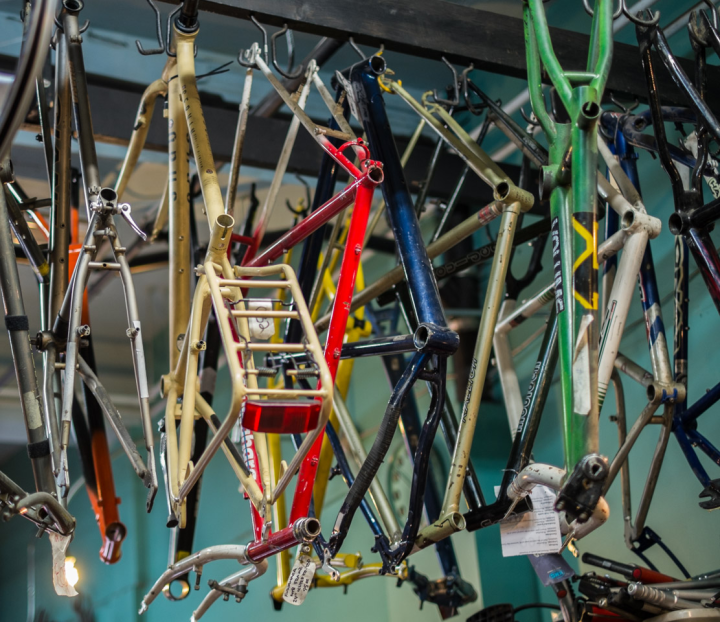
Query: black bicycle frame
<point>692,220</point>
<point>654,36</point>
<point>689,208</point>
<point>434,341</point>
<point>456,591</point>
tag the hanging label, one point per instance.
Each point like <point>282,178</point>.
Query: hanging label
<point>261,327</point>
<point>533,533</point>
<point>350,95</point>
<point>300,580</point>
<point>59,545</point>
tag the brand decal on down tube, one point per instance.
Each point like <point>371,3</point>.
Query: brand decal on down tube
<point>557,267</point>
<point>585,268</point>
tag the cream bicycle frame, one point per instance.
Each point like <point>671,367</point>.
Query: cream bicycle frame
<point>219,282</point>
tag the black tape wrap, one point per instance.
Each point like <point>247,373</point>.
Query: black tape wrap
<point>17,323</point>
<point>38,450</point>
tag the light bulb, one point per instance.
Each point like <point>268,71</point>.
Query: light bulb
<point>71,573</point>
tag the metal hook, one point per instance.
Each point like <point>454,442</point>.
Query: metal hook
<point>466,93</point>
<point>158,32</point>
<point>616,14</point>
<point>714,11</point>
<point>251,54</point>
<point>354,46</point>
<point>360,53</point>
<point>300,210</point>
<point>530,120</point>
<point>82,29</point>
<point>456,92</point>
<point>289,74</point>
<point>306,185</point>
<point>169,30</point>
<point>625,109</point>
<point>654,17</point>
<point>699,26</point>
<point>246,58</point>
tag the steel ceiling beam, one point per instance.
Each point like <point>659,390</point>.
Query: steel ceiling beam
<point>114,105</point>
<point>434,28</point>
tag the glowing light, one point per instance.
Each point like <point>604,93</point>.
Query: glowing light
<point>71,573</point>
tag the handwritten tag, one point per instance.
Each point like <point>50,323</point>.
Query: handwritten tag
<point>59,545</point>
<point>300,580</point>
<point>261,327</point>
<point>536,532</point>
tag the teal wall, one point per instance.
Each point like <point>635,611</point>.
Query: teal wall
<point>115,592</point>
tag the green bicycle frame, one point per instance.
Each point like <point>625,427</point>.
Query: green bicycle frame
<point>571,179</point>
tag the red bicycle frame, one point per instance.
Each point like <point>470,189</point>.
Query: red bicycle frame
<point>361,192</point>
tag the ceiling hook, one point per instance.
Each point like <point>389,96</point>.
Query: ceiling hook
<point>158,33</point>
<point>246,58</point>
<point>455,90</point>
<point>290,39</point>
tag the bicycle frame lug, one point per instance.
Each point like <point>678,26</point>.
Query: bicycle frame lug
<point>220,237</point>
<point>553,176</point>
<point>508,194</point>
<point>43,339</point>
<point>583,489</point>
<point>589,108</point>
<point>435,339</point>
<point>442,528</point>
<point>306,529</point>
<point>635,219</point>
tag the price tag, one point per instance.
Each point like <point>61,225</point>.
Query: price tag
<point>536,532</point>
<point>300,579</point>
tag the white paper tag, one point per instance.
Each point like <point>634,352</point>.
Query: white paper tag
<point>59,545</point>
<point>261,327</point>
<point>350,95</point>
<point>300,580</point>
<point>533,533</point>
